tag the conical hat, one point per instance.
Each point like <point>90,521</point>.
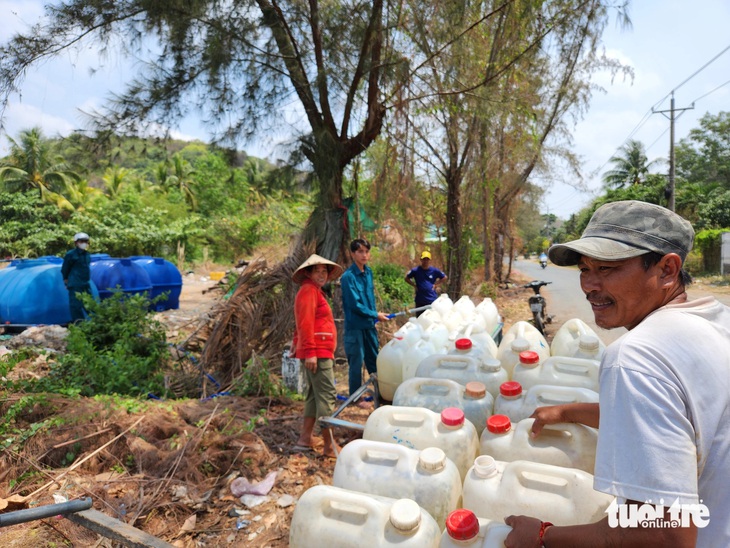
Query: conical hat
<point>333,268</point>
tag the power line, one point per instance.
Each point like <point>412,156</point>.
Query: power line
<point>695,73</point>
<point>710,92</point>
<point>651,110</point>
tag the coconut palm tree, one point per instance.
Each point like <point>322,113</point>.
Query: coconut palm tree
<point>115,180</point>
<point>30,165</point>
<point>631,166</point>
<point>182,178</point>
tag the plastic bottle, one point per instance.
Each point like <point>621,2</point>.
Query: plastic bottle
<point>567,444</point>
<point>556,370</point>
<point>489,312</point>
<point>568,339</point>
<point>525,330</point>
<point>464,306</point>
<point>414,355</point>
<point>464,368</point>
<point>509,354</point>
<point>330,517</point>
<point>395,471</point>
<point>478,405</point>
<point>589,347</point>
<point>411,332</point>
<point>479,338</point>
<point>429,317</point>
<point>453,320</point>
<point>464,528</point>
<point>442,304</point>
<point>527,371</point>
<point>438,394</point>
<point>389,365</point>
<point>419,428</point>
<point>438,336</point>
<point>510,401</point>
<point>542,395</point>
<point>562,496</point>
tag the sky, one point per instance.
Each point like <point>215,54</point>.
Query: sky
<point>669,42</point>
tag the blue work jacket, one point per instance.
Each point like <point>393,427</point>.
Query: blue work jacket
<point>358,298</point>
<point>76,269</point>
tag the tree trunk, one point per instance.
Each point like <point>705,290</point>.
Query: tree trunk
<point>455,257</point>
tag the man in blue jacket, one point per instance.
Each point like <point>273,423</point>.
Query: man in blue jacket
<point>76,272</point>
<point>358,303</point>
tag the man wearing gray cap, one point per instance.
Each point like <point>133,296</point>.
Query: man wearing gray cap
<point>664,411</point>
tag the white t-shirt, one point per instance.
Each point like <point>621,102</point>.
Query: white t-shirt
<point>665,413</point>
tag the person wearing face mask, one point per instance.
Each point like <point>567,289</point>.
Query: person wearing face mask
<point>76,272</point>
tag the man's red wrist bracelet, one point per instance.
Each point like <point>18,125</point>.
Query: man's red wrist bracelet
<point>543,528</point>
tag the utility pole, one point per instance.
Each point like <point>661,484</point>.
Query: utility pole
<point>669,191</point>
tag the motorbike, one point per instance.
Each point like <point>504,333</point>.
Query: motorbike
<point>538,306</point>
<point>543,263</point>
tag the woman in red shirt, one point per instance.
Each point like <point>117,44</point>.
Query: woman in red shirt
<point>315,340</point>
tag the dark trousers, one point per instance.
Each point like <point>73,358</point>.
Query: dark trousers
<point>78,312</point>
<point>361,345</point>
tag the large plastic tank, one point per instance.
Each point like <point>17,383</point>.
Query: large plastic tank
<point>32,293</point>
<point>52,259</point>
<point>165,278</point>
<point>130,277</point>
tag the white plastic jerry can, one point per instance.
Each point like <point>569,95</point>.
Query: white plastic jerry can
<point>576,339</point>
<point>395,471</point>
<point>390,367</point>
<point>557,371</point>
<point>527,331</point>
<point>421,350</point>
<point>518,404</point>
<point>464,368</point>
<point>509,355</point>
<point>563,496</point>
<point>543,395</point>
<point>480,338</point>
<point>567,444</point>
<point>420,428</point>
<point>429,317</point>
<point>411,331</point>
<point>510,401</point>
<point>489,312</point>
<point>464,528</point>
<point>331,517</point>
<point>438,394</point>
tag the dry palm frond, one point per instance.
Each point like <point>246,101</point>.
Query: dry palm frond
<point>257,319</point>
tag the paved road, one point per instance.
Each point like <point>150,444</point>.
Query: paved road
<point>566,300</point>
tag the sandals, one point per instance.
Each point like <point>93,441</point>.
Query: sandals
<point>302,448</point>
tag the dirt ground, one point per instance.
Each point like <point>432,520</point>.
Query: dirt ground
<point>167,467</point>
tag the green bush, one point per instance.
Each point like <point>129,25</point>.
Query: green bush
<point>120,349</point>
<point>391,287</point>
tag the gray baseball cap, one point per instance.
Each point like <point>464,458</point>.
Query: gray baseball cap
<point>622,230</point>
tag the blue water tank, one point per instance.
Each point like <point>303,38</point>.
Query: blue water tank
<point>131,278</point>
<point>165,278</point>
<point>32,293</point>
<point>99,256</point>
<point>52,259</point>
